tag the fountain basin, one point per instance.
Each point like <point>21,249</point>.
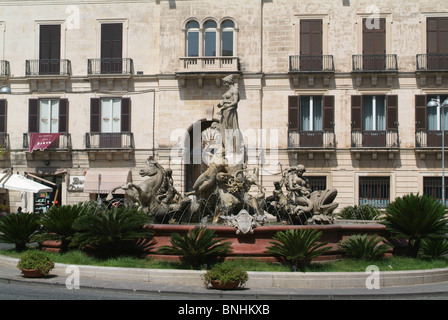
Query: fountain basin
<point>254,245</point>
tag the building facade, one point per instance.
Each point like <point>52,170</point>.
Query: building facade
<point>339,86</point>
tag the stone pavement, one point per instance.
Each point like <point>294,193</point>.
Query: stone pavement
<point>188,285</point>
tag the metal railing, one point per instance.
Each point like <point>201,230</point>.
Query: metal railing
<point>432,62</point>
<point>5,70</point>
<point>432,187</point>
<point>304,63</point>
<point>374,191</point>
<point>375,139</point>
<point>209,64</point>
<point>311,139</point>
<point>110,66</point>
<point>41,67</point>
<point>113,140</point>
<point>375,62</point>
<point>63,143</point>
<point>430,139</point>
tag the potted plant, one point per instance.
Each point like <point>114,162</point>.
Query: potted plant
<point>35,264</point>
<point>225,276</point>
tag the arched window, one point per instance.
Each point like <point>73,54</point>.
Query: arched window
<point>227,38</point>
<point>192,39</point>
<point>210,38</point>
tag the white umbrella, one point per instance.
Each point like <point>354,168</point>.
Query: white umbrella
<point>12,181</point>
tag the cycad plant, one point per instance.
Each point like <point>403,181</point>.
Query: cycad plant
<point>197,247</point>
<point>57,224</point>
<point>434,248</point>
<point>18,229</point>
<point>416,218</point>
<point>362,212</point>
<point>113,232</point>
<point>298,247</point>
<point>364,246</point>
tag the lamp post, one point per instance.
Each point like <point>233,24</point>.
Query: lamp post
<point>436,103</point>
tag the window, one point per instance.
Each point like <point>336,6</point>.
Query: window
<point>311,113</point>
<point>434,114</point>
<point>48,115</point>
<point>374,112</point>
<point>227,38</point>
<point>436,42</point>
<point>374,191</point>
<point>317,183</point>
<point>3,131</point>
<point>49,49</point>
<point>310,44</point>
<point>111,48</point>
<point>192,39</point>
<point>432,187</point>
<point>210,38</point>
<point>109,119</point>
<point>374,45</point>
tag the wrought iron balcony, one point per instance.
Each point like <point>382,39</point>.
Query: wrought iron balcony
<point>64,142</point>
<point>5,70</point>
<point>375,63</point>
<point>209,64</point>
<point>304,63</point>
<point>375,139</point>
<point>432,62</point>
<point>311,139</point>
<point>113,66</point>
<point>43,67</point>
<point>431,139</point>
<point>113,140</point>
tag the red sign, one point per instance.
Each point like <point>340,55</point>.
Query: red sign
<point>42,140</point>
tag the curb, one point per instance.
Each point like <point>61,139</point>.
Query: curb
<point>284,280</point>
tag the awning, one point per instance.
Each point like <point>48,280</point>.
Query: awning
<point>12,181</point>
<point>105,180</point>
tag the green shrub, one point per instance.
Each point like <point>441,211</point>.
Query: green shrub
<point>298,247</point>
<point>416,218</point>
<point>18,229</point>
<point>36,260</point>
<point>362,212</point>
<point>58,224</point>
<point>113,232</point>
<point>363,246</point>
<point>434,248</point>
<point>197,247</point>
<point>225,272</point>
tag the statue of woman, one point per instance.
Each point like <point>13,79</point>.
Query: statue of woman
<point>229,116</point>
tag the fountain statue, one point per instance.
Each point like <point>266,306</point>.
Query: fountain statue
<point>221,194</point>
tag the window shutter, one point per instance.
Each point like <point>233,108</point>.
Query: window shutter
<point>357,113</point>
<point>328,121</point>
<point>392,112</point>
<point>374,40</point>
<point>420,112</point>
<point>33,115</point>
<point>63,115</point>
<point>293,112</point>
<point>3,115</point>
<point>126,115</point>
<point>95,115</point>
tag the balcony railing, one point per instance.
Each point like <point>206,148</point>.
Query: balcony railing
<point>63,143</point>
<point>113,140</point>
<point>311,139</point>
<point>48,67</point>
<point>374,62</point>
<point>432,62</point>
<point>209,64</point>
<point>430,139</point>
<point>110,66</point>
<point>375,139</point>
<point>303,63</point>
<point>5,70</point>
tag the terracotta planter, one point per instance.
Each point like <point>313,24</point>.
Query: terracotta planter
<point>225,286</point>
<point>32,273</point>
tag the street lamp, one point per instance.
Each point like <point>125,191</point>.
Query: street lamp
<point>5,90</point>
<point>436,103</point>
